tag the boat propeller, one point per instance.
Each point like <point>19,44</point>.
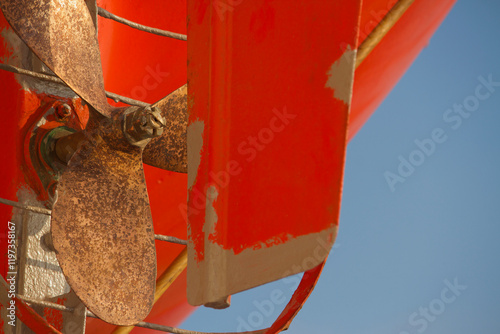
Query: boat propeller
<point>102,229</point>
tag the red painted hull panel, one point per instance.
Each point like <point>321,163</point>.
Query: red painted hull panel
<point>266,139</point>
<point>153,66</point>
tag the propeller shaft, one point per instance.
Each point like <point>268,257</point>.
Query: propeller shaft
<point>66,146</point>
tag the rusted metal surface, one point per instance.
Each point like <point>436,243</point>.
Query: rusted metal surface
<point>300,296</point>
<point>62,112</point>
<point>170,150</point>
<point>56,117</point>
<point>140,125</point>
<point>66,146</point>
<point>284,320</point>
<point>67,322</point>
<point>62,35</point>
<point>92,6</point>
<point>163,283</point>
<point>51,78</point>
<point>102,227</point>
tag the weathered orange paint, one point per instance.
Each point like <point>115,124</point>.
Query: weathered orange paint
<point>55,317</point>
<point>37,105</point>
<point>12,109</point>
<point>127,72</point>
<point>273,134</point>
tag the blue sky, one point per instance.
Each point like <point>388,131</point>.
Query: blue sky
<point>423,258</point>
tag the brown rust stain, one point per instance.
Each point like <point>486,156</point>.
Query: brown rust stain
<point>102,226</point>
<point>62,35</point>
<point>169,151</point>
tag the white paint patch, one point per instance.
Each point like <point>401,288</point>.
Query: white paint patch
<point>43,276</point>
<point>194,149</point>
<point>341,74</point>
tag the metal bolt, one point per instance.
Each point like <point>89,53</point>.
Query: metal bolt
<point>156,121</point>
<point>62,112</point>
<point>143,124</point>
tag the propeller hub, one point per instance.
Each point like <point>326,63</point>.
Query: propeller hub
<point>141,124</point>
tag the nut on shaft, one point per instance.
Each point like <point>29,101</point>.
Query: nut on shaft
<point>141,124</point>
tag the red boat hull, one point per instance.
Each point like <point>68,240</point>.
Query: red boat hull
<point>149,68</point>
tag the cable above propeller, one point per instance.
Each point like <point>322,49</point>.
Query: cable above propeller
<point>102,227</point>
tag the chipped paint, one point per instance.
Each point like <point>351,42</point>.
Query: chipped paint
<point>13,45</point>
<point>209,281</point>
<point>39,275</point>
<point>110,227</point>
<point>271,214</point>
<point>169,151</point>
<point>215,275</point>
<point>73,29</point>
<point>340,76</point>
<point>210,213</point>
<point>195,147</point>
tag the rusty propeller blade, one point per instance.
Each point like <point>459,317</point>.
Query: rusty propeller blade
<point>169,151</point>
<point>102,227</point>
<point>62,35</point>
